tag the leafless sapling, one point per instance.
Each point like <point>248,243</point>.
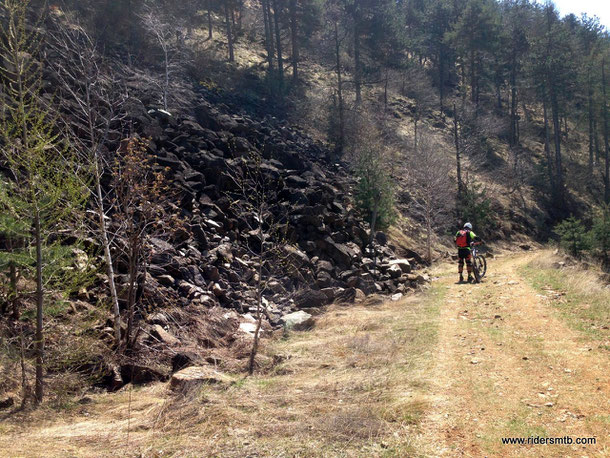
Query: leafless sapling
<point>431,187</point>
<point>91,102</point>
<point>141,209</point>
<point>255,200</point>
<point>159,26</point>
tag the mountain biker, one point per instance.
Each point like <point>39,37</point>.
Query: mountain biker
<point>463,239</point>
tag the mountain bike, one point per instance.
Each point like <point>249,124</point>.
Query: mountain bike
<point>479,263</point>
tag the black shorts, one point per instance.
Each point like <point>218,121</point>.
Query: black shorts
<point>464,253</point>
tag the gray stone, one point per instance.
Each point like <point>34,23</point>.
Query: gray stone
<point>404,265</point>
<point>394,271</point>
<point>195,376</point>
<point>297,321</point>
<point>340,253</point>
<point>296,257</point>
<point>331,293</point>
<point>163,336</point>
<point>324,266</point>
<point>307,298</point>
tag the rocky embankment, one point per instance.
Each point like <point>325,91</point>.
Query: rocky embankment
<point>201,289</point>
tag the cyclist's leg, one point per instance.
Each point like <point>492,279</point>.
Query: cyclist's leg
<point>469,265</point>
<point>460,265</point>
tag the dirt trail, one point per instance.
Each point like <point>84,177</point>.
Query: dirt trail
<point>508,366</point>
<point>447,373</point>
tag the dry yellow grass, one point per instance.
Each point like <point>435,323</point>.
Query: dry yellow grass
<point>353,386</point>
<point>448,373</point>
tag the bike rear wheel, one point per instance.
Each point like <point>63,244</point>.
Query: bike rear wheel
<point>479,267</point>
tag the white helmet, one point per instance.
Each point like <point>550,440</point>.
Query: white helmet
<point>468,226</point>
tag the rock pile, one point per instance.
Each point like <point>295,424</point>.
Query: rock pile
<point>326,250</point>
<point>199,288</point>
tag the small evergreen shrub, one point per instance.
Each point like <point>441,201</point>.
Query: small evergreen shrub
<point>475,207</point>
<point>573,236</point>
<point>600,232</point>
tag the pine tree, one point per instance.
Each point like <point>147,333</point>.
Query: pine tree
<point>44,187</point>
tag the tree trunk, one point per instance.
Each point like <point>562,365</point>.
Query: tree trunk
<point>559,186</point>
<point>357,63</point>
<point>456,139</point>
<point>99,197</point>
<point>229,31</point>
<point>259,323</point>
<point>596,141</point>
<point>278,42</point>
<point>606,145</point>
<point>259,297</point>
<point>374,220</point>
<point>39,392</point>
<point>295,40</point>
<point>12,282</point>
<point>441,80</point>
<point>429,238</point>
<point>590,116</point>
<point>131,293</point>
<point>268,36</point>
<point>372,234</point>
<point>547,141</point>
<point>513,102</point>
<point>107,254</point>
<point>25,389</point>
<point>339,91</point>
<point>210,25</point>
<point>166,84</point>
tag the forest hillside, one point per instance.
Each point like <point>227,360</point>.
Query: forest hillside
<point>191,191</point>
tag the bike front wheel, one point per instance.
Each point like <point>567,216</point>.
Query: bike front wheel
<point>480,268</point>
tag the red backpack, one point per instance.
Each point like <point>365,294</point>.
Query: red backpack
<point>462,240</point>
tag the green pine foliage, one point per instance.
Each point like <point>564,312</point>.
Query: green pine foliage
<point>375,192</point>
<point>475,207</point>
<point>600,232</point>
<point>573,236</point>
<point>44,176</point>
<point>43,188</point>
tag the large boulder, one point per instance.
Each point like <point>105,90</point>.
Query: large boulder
<point>404,265</point>
<point>195,376</point>
<point>297,321</point>
<point>308,298</point>
<point>338,252</point>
